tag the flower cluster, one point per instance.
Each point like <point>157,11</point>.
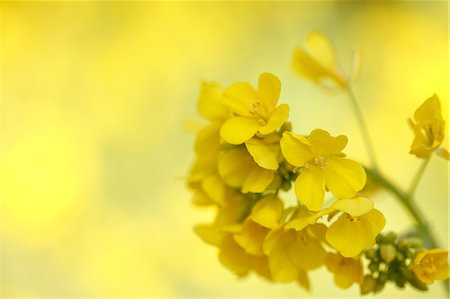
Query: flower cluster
<point>247,157</point>
<point>402,261</point>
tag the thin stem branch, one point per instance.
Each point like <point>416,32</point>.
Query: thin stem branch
<point>417,177</point>
<point>363,126</point>
<point>407,201</point>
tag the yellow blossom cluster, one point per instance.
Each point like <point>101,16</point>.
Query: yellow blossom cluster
<point>247,157</point>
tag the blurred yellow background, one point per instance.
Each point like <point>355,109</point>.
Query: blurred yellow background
<point>95,98</point>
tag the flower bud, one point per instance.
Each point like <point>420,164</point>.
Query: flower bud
<point>391,237</point>
<point>373,266</point>
<point>368,285</point>
<point>388,253</point>
<point>287,126</point>
<point>370,253</point>
<point>403,244</point>
<point>415,242</point>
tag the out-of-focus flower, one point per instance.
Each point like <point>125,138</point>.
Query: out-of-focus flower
<point>292,253</point>
<point>323,167</point>
<point>238,169</point>
<point>429,130</point>
<point>431,265</point>
<point>255,110</point>
<point>347,271</point>
<point>316,61</point>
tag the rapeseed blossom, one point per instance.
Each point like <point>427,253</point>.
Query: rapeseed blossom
<point>255,111</point>
<point>429,130</point>
<point>323,166</point>
<point>431,265</point>
<point>247,155</point>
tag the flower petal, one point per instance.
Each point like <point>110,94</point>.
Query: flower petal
<point>233,166</point>
<point>209,234</point>
<point>238,130</point>
<point>240,97</point>
<point>215,188</point>
<point>429,112</point>
<point>267,211</point>
<point>269,87</point>
<point>276,119</point>
<point>307,255</point>
<point>322,143</point>
<point>211,102</point>
<point>355,206</point>
<point>346,236</point>
<point>251,237</point>
<point>234,258</point>
<point>348,273</point>
<point>263,155</point>
<point>296,149</point>
<point>344,177</point>
<point>373,222</point>
<point>310,188</point>
<point>257,179</point>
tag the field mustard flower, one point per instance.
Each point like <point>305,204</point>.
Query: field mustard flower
<point>429,130</point>
<point>316,61</point>
<point>292,253</point>
<point>267,212</point>
<point>238,169</point>
<point>350,234</point>
<point>431,265</point>
<point>323,167</point>
<point>254,110</point>
<point>347,271</point>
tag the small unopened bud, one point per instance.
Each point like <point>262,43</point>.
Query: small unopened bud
<point>410,253</point>
<point>400,281</point>
<point>370,253</point>
<point>379,286</point>
<point>373,266</point>
<point>415,282</point>
<point>287,126</point>
<point>415,242</point>
<point>388,253</point>
<point>380,239</point>
<point>382,277</point>
<point>391,237</point>
<point>286,186</point>
<point>403,244</point>
<point>368,285</point>
<point>400,256</point>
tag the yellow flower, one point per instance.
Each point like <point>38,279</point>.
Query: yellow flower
<point>238,169</point>
<point>324,167</point>
<point>292,253</point>
<point>267,211</point>
<point>429,130</point>
<point>317,62</point>
<point>346,271</point>
<point>431,265</point>
<point>255,110</point>
<point>351,234</point>
<point>211,103</point>
<point>203,177</point>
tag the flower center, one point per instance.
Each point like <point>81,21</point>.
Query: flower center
<point>319,162</point>
<point>428,266</point>
<point>258,111</point>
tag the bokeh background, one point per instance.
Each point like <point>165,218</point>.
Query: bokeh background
<point>98,105</point>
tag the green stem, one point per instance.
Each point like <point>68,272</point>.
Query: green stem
<point>417,177</point>
<point>363,126</point>
<point>406,199</point>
